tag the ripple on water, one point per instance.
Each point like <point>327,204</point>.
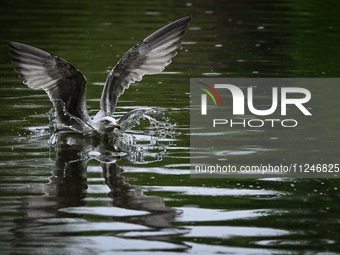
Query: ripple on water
<point>104,211</point>
<point>207,191</point>
<point>190,214</point>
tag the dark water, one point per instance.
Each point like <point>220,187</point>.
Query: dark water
<point>69,194</point>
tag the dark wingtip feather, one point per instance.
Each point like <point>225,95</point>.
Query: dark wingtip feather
<point>12,49</point>
<point>171,30</point>
<point>27,49</point>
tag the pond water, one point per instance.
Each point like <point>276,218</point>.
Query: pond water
<point>71,194</point>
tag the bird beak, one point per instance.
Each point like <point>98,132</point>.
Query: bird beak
<point>117,126</point>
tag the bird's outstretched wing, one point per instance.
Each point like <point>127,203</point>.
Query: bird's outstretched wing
<point>65,84</point>
<point>149,56</point>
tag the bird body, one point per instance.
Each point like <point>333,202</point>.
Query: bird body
<point>66,85</point>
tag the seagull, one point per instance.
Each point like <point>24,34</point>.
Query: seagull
<point>66,85</point>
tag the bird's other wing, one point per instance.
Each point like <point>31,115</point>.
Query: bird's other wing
<point>65,84</point>
<point>149,56</point>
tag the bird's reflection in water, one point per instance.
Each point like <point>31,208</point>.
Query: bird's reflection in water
<point>68,187</point>
<point>129,196</point>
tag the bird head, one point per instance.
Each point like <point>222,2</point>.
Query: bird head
<point>107,124</point>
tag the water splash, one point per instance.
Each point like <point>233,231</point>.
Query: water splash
<point>144,136</point>
<point>132,118</point>
<point>148,141</point>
